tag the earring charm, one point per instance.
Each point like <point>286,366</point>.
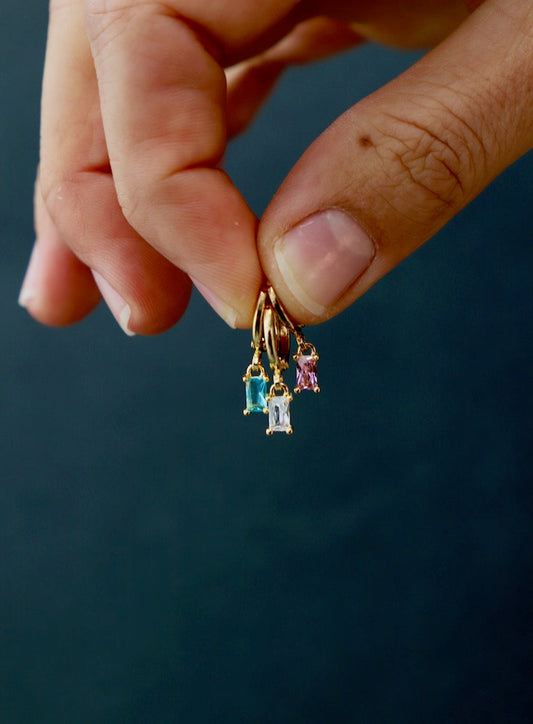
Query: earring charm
<point>255,381</point>
<point>279,412</point>
<point>306,360</point>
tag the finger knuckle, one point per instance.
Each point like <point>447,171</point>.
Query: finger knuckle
<point>55,187</point>
<point>132,199</point>
<point>106,19</point>
<point>434,157</point>
<point>96,8</point>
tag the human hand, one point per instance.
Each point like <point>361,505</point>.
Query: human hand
<point>387,174</point>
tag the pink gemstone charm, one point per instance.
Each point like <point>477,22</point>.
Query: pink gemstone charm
<point>306,378</point>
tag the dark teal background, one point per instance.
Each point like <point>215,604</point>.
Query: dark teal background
<point>161,560</point>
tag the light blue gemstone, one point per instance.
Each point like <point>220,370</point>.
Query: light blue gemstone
<point>256,394</point>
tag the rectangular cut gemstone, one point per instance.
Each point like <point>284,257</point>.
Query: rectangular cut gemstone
<point>279,414</point>
<point>306,378</point>
<point>256,394</point>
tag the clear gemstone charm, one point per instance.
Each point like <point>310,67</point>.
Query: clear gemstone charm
<point>279,414</point>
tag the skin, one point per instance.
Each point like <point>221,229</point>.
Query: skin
<point>140,100</point>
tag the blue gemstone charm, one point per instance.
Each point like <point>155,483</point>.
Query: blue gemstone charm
<point>256,390</point>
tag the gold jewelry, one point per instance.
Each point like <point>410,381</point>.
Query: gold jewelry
<point>271,334</point>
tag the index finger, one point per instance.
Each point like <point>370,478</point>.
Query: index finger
<point>162,93</point>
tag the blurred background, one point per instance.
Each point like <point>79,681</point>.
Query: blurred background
<point>162,560</point>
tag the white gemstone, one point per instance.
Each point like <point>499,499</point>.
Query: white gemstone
<point>279,414</point>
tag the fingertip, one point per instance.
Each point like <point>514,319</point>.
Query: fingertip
<point>160,311</point>
<point>224,310</point>
<point>57,289</point>
<point>145,292</point>
<point>200,223</point>
<point>146,306</point>
<point>118,306</point>
<point>315,263</point>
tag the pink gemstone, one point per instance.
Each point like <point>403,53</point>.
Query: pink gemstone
<point>306,378</point>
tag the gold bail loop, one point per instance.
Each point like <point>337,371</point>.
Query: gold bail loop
<point>277,340</point>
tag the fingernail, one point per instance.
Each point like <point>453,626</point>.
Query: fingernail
<point>29,288</point>
<point>119,308</point>
<point>228,314</point>
<point>321,257</point>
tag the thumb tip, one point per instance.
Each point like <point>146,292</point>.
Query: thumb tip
<point>318,260</point>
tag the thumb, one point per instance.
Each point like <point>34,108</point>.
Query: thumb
<point>391,171</point>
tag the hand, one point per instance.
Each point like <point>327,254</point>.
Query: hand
<point>131,201</point>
